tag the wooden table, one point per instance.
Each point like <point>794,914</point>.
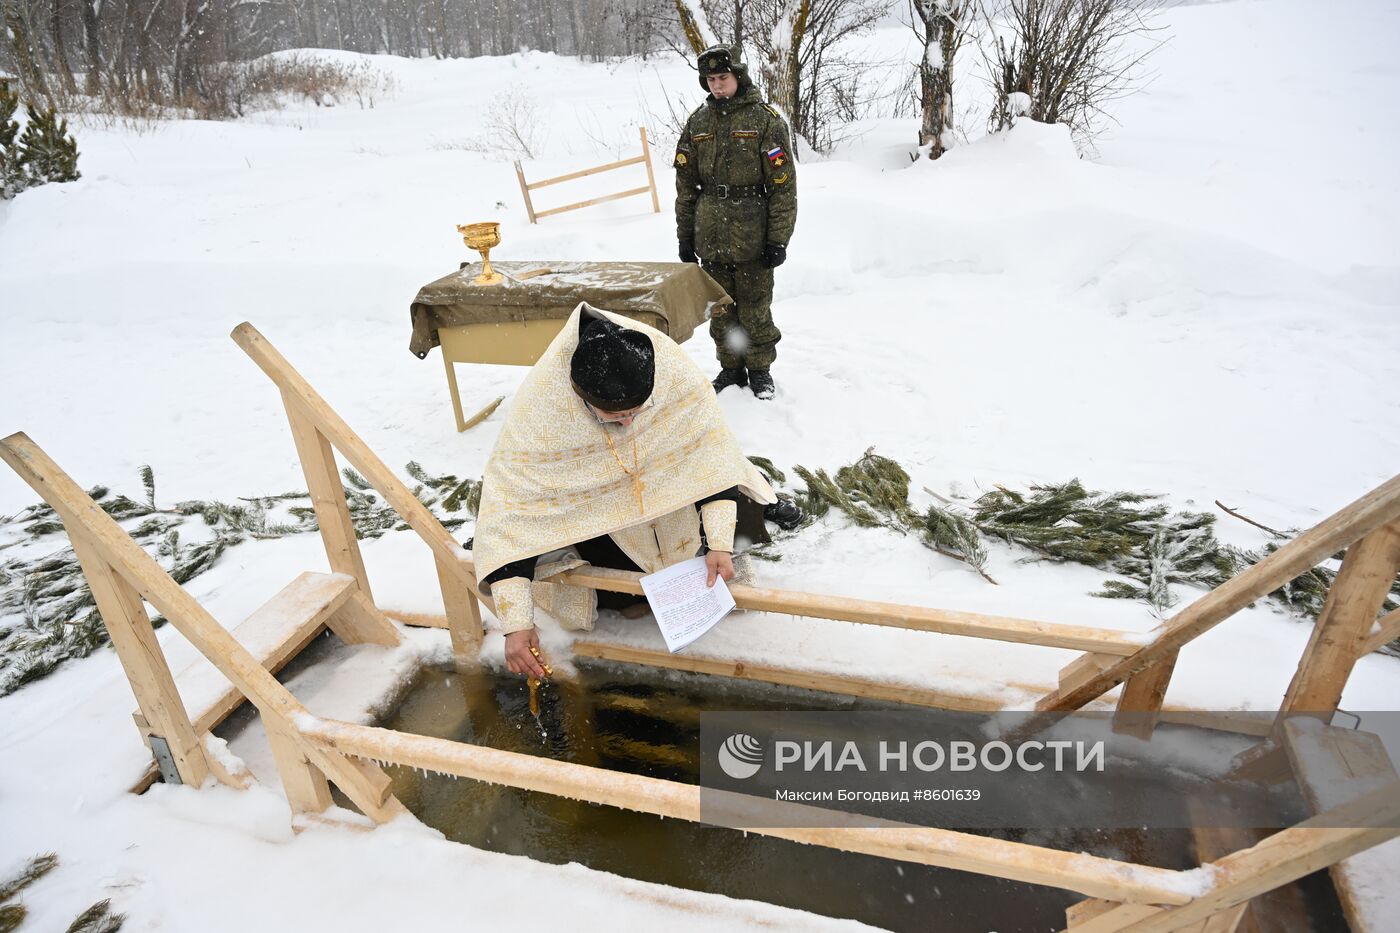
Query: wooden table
<point>512,323</point>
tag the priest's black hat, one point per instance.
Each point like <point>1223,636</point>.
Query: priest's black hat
<point>613,368</point>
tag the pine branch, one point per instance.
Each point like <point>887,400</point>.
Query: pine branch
<point>98,919</point>
<point>36,868</point>
<point>11,916</point>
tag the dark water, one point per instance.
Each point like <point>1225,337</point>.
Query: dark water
<point>641,721</point>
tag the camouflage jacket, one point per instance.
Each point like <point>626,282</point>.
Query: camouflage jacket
<point>743,143</point>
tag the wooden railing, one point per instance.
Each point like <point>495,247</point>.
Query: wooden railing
<point>1143,662</point>
<point>319,432</point>
<point>648,188</point>
<point>310,752</point>
<point>120,574</point>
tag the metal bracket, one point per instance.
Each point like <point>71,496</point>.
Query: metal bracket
<point>164,760</point>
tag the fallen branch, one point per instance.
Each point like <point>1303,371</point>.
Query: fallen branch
<point>1244,518</point>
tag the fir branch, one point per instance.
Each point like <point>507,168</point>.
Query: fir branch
<point>148,480</point>
<point>11,916</point>
<point>355,479</point>
<point>952,535</point>
<point>36,868</point>
<point>98,919</point>
<point>769,471</point>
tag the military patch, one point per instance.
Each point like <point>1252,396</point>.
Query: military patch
<point>780,179</point>
<point>701,137</point>
<point>777,156</point>
<point>681,160</point>
<point>744,134</point>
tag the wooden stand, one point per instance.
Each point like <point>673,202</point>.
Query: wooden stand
<point>643,159</point>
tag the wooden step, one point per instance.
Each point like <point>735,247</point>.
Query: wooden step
<point>1335,766</point>
<point>274,634</point>
<point>1277,910</point>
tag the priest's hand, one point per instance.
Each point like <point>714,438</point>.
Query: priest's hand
<point>519,658</point>
<point>719,563</point>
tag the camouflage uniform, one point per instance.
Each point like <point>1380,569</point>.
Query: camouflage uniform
<point>736,193</point>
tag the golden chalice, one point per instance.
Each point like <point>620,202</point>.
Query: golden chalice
<point>482,237</point>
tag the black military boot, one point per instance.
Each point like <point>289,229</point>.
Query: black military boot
<point>731,377</point>
<point>784,513</point>
<point>761,381</point>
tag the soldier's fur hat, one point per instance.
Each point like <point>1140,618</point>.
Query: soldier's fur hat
<point>613,368</point>
<point>723,59</point>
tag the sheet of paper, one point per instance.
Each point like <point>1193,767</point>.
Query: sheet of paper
<point>683,606</point>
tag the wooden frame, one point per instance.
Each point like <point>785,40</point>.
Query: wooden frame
<point>643,159</point>
<point>310,415</point>
<point>311,753</point>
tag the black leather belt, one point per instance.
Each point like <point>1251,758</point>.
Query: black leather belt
<point>733,192</point>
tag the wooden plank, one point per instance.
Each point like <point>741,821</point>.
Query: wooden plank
<point>359,622</point>
<point>584,173</point>
<point>1141,702</point>
<point>790,677</point>
<point>1386,630</point>
<point>1241,722</point>
<point>327,494</point>
<point>1100,916</point>
<point>1352,604</point>
<point>1285,857</point>
<point>1280,909</point>
<point>1376,508</point>
<point>463,616</point>
<point>1092,875</point>
<point>631,192</point>
<point>452,391</point>
<point>919,618</point>
<point>1082,912</point>
<point>651,174</point>
<point>274,633</point>
<point>86,520</point>
<point>334,428</point>
<point>229,771</point>
<point>1338,765</point>
<point>525,193</point>
<point>1083,667</point>
<point>134,640</point>
<point>304,784</point>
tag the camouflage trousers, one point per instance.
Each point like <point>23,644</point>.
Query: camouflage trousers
<point>744,333</point>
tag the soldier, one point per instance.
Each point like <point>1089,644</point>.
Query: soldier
<point>736,205</point>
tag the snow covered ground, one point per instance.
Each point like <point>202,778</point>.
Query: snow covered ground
<point>1209,310</point>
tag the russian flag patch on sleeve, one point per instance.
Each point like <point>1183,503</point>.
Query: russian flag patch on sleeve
<point>777,156</point>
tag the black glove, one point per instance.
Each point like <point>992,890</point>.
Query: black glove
<point>687,251</point>
<point>774,256</point>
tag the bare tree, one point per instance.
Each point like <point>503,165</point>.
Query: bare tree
<point>942,27</point>
<point>92,44</point>
<point>827,86</point>
<point>782,60</point>
<point>1067,60</point>
<point>695,26</point>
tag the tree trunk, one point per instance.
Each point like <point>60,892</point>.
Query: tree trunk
<point>694,26</point>
<point>92,46</point>
<point>782,71</point>
<point>31,77</point>
<point>60,48</point>
<point>942,26</point>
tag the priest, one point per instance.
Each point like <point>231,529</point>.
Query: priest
<point>614,453</point>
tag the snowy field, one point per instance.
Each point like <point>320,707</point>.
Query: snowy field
<point>1208,310</point>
